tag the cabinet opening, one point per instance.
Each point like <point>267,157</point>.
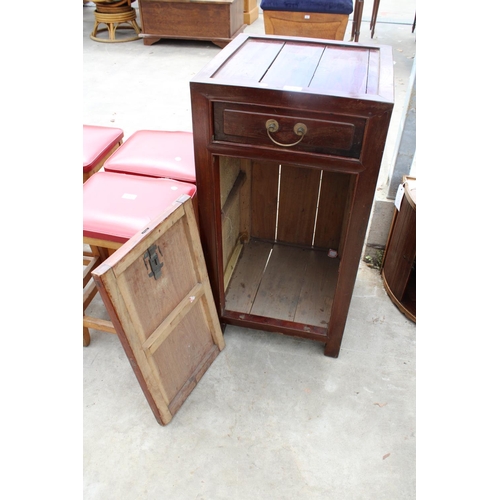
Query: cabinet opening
<point>278,222</point>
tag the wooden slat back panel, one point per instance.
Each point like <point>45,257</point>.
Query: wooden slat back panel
<point>299,189</point>
<point>332,203</point>
<point>264,197</point>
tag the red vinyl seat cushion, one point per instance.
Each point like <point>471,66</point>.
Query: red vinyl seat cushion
<point>97,143</point>
<point>117,206</point>
<point>155,153</point>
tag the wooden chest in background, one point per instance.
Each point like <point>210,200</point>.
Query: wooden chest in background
<point>218,21</point>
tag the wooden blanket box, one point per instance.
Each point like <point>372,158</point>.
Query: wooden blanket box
<point>217,21</point>
<point>289,136</point>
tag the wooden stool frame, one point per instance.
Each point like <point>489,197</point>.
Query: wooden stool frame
<point>98,166</point>
<point>99,251</point>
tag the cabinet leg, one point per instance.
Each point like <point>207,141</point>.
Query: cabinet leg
<point>331,352</point>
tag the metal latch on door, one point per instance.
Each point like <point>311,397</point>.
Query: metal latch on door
<point>151,256</point>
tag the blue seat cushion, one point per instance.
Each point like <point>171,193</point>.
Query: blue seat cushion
<point>319,6</point>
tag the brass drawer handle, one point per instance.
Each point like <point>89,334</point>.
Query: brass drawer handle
<point>273,126</point>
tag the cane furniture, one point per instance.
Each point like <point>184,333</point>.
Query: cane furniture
<point>114,15</point>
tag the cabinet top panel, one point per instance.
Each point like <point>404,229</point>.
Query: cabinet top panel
<point>306,65</point>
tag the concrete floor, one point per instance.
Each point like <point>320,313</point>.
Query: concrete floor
<point>273,418</point>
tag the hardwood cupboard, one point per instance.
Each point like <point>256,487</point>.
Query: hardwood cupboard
<point>289,135</point>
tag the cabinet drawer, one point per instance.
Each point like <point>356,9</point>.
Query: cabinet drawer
<point>325,133</point>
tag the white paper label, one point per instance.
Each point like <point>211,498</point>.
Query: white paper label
<point>307,16</point>
<point>399,196</point>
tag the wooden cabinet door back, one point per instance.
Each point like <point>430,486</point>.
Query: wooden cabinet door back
<point>156,290</point>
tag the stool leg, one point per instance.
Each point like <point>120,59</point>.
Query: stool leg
<point>86,337</point>
<point>92,260</point>
<point>356,20</point>
<point>373,20</point>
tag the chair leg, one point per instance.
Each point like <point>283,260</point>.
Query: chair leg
<point>91,260</point>
<point>373,20</point>
<point>356,21</point>
<point>86,337</point>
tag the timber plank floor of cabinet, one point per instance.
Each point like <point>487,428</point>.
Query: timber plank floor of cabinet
<point>283,282</point>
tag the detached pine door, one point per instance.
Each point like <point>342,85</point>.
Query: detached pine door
<point>157,293</point>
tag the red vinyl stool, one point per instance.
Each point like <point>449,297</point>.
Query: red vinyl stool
<point>156,153</point>
<point>115,208</point>
<point>98,144</point>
